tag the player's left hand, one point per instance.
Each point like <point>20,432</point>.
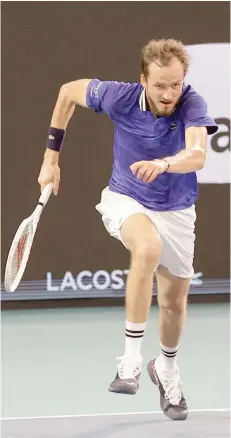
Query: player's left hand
<point>147,171</point>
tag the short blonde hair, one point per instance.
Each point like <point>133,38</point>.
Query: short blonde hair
<point>163,51</point>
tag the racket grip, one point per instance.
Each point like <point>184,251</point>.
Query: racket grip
<point>46,193</point>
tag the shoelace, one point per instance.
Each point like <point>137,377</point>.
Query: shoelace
<point>171,384</point>
<point>128,368</point>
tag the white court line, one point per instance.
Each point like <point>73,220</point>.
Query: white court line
<point>107,414</point>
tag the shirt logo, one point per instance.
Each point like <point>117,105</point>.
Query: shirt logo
<point>95,90</point>
<point>173,126</point>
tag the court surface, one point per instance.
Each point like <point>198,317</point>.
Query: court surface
<point>198,425</point>
<point>57,365</point>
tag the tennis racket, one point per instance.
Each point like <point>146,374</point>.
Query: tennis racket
<point>21,246</point>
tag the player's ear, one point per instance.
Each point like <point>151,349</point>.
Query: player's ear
<point>143,80</point>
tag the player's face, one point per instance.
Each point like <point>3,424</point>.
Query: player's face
<point>163,86</point>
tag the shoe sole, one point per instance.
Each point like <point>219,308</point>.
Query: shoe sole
<point>120,391</point>
<point>129,390</point>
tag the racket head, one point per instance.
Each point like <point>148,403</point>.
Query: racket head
<point>18,254</point>
<point>21,245</point>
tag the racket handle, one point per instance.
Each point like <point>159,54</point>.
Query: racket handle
<point>46,193</point>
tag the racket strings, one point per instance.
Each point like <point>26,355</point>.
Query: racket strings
<point>19,252</point>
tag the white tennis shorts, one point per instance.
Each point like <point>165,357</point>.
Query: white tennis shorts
<point>175,228</point>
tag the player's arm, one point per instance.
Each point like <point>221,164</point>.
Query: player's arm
<point>192,158</point>
<point>70,94</point>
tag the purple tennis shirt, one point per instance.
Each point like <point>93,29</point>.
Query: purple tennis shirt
<point>139,135</point>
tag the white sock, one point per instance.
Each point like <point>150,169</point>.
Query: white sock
<point>168,357</point>
<point>134,333</point>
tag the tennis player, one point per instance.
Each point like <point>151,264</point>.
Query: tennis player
<point>160,137</point>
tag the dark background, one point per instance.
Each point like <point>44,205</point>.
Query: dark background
<point>45,44</point>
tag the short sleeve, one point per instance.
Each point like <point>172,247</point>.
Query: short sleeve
<point>195,113</point>
<point>100,95</point>
<point>111,97</point>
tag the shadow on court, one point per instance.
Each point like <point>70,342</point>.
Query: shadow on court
<point>214,424</point>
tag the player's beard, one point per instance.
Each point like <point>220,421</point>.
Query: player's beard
<point>159,109</point>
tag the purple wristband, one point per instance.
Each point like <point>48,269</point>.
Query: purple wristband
<point>55,139</point>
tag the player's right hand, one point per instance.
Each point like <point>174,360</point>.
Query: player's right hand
<point>49,173</point>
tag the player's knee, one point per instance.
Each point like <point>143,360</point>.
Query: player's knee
<point>148,252</point>
<point>173,304</point>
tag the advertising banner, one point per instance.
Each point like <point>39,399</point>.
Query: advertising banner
<point>209,74</point>
<point>99,284</point>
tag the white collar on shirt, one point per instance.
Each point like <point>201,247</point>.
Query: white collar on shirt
<point>142,101</point>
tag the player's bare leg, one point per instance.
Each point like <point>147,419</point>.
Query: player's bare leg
<point>141,238</point>
<point>172,300</point>
<point>144,244</point>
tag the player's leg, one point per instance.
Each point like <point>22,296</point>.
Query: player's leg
<point>173,277</point>
<point>142,240</point>
<point>172,300</point>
